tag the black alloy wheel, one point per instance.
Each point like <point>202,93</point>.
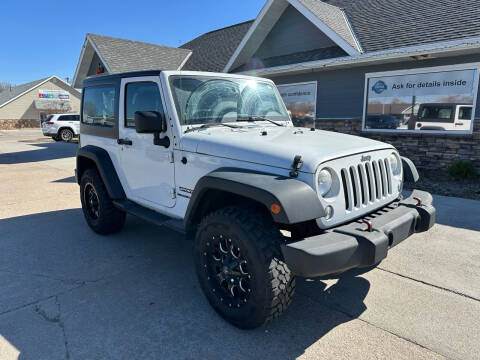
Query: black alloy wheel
<point>91,201</point>
<point>240,267</point>
<point>100,213</point>
<point>227,271</point>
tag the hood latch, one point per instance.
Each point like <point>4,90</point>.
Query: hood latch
<point>296,166</point>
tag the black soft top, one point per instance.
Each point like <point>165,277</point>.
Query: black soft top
<point>114,78</point>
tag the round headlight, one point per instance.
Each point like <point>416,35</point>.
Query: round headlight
<point>395,164</point>
<point>324,181</point>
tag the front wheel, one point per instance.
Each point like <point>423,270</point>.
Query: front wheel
<point>238,263</point>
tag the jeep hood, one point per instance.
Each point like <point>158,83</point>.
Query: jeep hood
<point>279,146</point>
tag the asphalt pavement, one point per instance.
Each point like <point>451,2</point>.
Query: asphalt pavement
<point>68,293</point>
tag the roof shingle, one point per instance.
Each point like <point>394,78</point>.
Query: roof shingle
<point>212,51</point>
<point>9,94</point>
<point>333,17</point>
<point>387,24</point>
<point>123,55</point>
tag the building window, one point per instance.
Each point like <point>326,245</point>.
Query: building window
<point>301,102</point>
<point>431,100</point>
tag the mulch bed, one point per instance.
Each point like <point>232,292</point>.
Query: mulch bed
<point>444,184</point>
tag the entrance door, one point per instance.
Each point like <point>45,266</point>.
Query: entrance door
<point>147,170</point>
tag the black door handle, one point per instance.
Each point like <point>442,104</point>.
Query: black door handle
<point>124,142</point>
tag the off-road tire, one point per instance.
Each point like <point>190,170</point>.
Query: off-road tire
<point>258,240</point>
<point>109,219</point>
<point>66,135</point>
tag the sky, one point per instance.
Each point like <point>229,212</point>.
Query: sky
<point>43,38</point>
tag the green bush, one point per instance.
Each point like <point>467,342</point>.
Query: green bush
<point>462,170</point>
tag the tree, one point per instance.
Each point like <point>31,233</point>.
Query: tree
<point>5,86</point>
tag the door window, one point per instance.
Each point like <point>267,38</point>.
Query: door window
<point>436,113</point>
<point>141,96</point>
<point>465,113</point>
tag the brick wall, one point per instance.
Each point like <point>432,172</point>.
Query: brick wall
<point>19,124</point>
<point>427,151</point>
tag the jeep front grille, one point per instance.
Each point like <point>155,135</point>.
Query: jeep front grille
<point>366,183</point>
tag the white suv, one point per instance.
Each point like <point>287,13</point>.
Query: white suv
<point>449,116</point>
<point>62,127</point>
<point>217,156</point>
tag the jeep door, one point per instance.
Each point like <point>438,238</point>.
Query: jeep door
<point>463,117</point>
<point>436,117</point>
<point>146,170</point>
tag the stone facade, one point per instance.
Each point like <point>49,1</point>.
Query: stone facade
<point>431,152</point>
<point>19,124</point>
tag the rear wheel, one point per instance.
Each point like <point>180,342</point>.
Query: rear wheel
<point>66,135</point>
<point>98,209</point>
<point>239,266</point>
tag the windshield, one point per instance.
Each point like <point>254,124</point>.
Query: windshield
<point>203,100</point>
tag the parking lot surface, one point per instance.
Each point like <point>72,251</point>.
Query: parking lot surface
<point>67,293</point>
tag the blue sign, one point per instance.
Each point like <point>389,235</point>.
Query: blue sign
<point>379,87</point>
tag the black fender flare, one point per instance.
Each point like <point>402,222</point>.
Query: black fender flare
<point>104,164</point>
<point>410,172</point>
<point>298,201</point>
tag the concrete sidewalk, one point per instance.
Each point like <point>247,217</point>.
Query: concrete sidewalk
<point>68,293</point>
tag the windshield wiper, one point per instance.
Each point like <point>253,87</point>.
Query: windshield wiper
<point>258,118</point>
<point>209,125</point>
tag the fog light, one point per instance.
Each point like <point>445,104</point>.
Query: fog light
<point>328,212</point>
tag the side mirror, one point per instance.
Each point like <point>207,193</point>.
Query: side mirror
<point>152,122</point>
<point>149,122</point>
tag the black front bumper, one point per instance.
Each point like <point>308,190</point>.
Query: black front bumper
<point>353,245</point>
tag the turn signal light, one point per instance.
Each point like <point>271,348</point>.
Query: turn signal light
<point>275,208</point>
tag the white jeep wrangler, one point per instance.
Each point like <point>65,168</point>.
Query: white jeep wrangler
<point>217,156</point>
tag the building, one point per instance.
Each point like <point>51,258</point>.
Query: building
<point>104,54</point>
<point>405,72</point>
<point>24,106</point>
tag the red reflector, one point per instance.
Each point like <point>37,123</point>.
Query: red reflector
<point>49,123</point>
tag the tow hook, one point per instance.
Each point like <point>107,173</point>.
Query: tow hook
<point>419,201</point>
<point>297,165</point>
<point>369,225</point>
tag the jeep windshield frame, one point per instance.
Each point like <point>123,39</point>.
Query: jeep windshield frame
<point>203,99</point>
